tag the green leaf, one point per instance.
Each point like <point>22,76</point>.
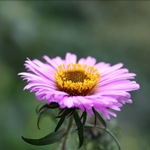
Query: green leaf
<point>60,123</point>
<point>95,117</point>
<point>80,128</point>
<point>60,112</point>
<point>71,112</point>
<point>84,116</point>
<point>62,115</point>
<point>50,106</point>
<point>40,114</point>
<point>100,118</point>
<point>48,139</point>
<point>66,112</point>
<point>43,109</point>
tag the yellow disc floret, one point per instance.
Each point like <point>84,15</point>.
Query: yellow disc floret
<point>76,79</point>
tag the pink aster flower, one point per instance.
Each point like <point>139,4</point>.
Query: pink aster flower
<point>82,84</point>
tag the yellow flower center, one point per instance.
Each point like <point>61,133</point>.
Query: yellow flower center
<point>77,79</point>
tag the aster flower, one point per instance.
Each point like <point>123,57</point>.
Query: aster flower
<point>70,84</point>
<point>82,84</point>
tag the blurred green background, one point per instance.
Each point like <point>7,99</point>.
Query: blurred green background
<point>109,31</point>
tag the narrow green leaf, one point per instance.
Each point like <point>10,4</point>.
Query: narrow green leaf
<point>80,128</point>
<point>50,106</point>
<point>61,111</point>
<point>40,114</point>
<point>77,119</point>
<point>66,112</point>
<point>41,108</point>
<point>69,112</point>
<point>99,117</point>
<point>84,116</point>
<point>60,123</point>
<point>48,139</point>
<point>95,117</point>
<point>72,112</point>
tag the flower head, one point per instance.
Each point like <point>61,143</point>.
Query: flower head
<point>82,84</point>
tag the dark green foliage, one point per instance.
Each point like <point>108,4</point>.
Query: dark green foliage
<point>42,110</point>
<point>84,117</point>
<point>66,112</point>
<point>63,115</point>
<point>100,118</point>
<point>79,128</point>
<point>48,139</point>
<point>62,119</point>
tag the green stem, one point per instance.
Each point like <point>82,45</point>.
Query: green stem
<point>67,133</point>
<point>107,131</point>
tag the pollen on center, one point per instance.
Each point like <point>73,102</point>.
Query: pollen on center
<point>77,79</point>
